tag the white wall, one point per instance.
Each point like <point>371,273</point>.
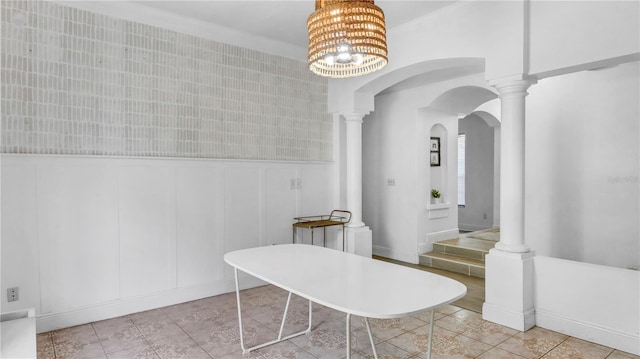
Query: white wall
<point>567,35</point>
<point>395,147</point>
<point>484,30</point>
<point>515,38</point>
<point>388,154</point>
<point>88,238</point>
<point>582,166</point>
<point>477,214</point>
<point>592,302</point>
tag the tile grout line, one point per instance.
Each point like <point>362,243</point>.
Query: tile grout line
<point>144,337</point>
<point>555,346</point>
<point>190,337</point>
<point>98,337</point>
<point>53,345</point>
<point>146,340</point>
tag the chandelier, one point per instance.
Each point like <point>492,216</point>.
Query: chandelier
<point>347,38</point>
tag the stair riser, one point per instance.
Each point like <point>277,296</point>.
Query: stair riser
<point>458,251</point>
<point>452,266</point>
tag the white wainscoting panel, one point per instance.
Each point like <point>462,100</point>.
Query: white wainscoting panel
<point>316,191</point>
<point>78,234</point>
<point>281,187</point>
<point>147,229</point>
<point>589,301</point>
<point>90,238</point>
<point>315,199</point>
<point>242,210</point>
<point>200,196</point>
<point>20,266</point>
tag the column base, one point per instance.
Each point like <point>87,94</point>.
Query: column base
<point>517,248</point>
<point>359,241</point>
<point>509,289</point>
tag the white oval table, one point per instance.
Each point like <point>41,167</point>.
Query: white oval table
<point>345,282</point>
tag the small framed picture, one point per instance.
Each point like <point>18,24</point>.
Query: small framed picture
<point>435,159</point>
<point>435,144</point>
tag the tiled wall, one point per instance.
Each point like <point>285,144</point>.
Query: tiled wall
<point>76,82</point>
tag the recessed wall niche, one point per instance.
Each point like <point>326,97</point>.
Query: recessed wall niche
<point>437,161</point>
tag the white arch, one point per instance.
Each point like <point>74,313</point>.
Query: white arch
<point>489,118</point>
<point>463,99</point>
<point>362,100</point>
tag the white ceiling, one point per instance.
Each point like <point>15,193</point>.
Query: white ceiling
<point>283,21</point>
<point>273,26</point>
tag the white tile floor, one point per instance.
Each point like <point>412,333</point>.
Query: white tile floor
<point>208,328</point>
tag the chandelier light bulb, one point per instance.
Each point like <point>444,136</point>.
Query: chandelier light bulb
<point>357,59</point>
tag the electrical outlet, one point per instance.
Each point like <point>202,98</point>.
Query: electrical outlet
<point>484,216</point>
<point>13,294</point>
<point>391,182</point>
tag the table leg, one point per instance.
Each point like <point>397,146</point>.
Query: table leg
<point>235,271</point>
<point>430,334</point>
<point>284,317</point>
<point>373,345</point>
<point>310,315</point>
<point>348,336</point>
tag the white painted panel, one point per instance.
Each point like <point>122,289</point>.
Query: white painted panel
<point>242,208</point>
<point>77,226</point>
<point>19,236</point>
<point>200,206</point>
<point>242,215</point>
<point>147,229</point>
<point>588,168</point>
<point>316,191</point>
<point>562,33</point>
<point>588,301</point>
<point>105,229</point>
<point>280,204</point>
<point>316,199</point>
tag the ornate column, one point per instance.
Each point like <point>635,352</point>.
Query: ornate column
<point>512,96</point>
<point>359,239</point>
<point>353,123</point>
<point>509,266</point>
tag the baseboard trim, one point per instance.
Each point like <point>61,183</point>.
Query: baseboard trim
<point>612,338</point>
<point>512,319</point>
<point>473,227</point>
<point>48,322</point>
<point>436,236</point>
<point>394,254</point>
<point>425,247</point>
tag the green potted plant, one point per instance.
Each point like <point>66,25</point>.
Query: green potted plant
<point>436,195</point>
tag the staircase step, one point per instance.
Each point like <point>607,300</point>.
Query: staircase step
<point>464,247</point>
<point>453,263</point>
<point>492,234</point>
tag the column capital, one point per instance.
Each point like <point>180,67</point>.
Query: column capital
<point>355,117</point>
<point>512,86</point>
